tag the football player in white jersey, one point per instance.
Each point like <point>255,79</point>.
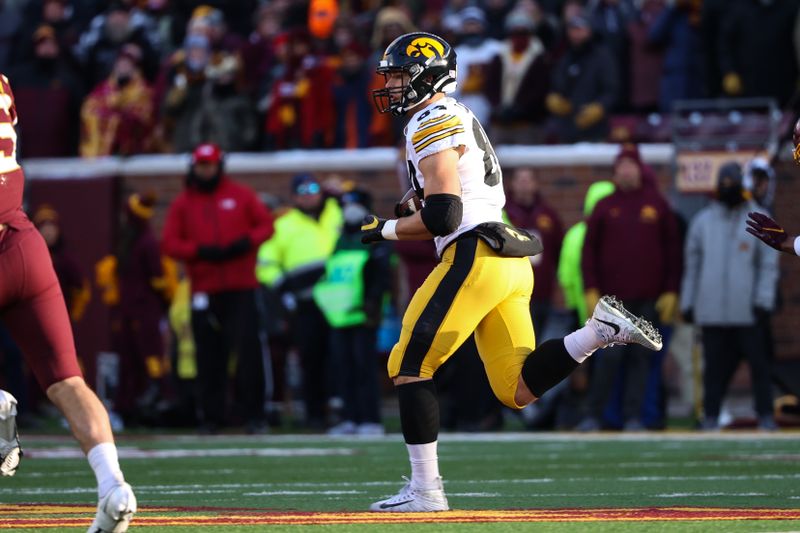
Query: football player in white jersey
<point>483,282</point>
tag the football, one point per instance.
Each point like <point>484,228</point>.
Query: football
<point>408,205</point>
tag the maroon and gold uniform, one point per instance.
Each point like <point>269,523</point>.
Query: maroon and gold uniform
<point>31,302</point>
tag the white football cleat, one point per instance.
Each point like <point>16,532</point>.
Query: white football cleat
<point>616,325</point>
<point>10,451</point>
<point>413,500</point>
<point>115,511</point>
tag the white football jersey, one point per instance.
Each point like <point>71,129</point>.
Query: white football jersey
<point>448,124</point>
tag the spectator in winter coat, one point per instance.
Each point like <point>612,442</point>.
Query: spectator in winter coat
<point>290,263</point>
<point>50,130</point>
<point>677,30</point>
<point>744,48</point>
<point>631,249</point>
<point>108,32</point>
<point>203,100</point>
<point>74,285</point>
<point>353,108</point>
<point>517,81</point>
<point>610,20</point>
<point>301,106</point>
<point>474,51</point>
<point>729,283</point>
<point>117,116</point>
<point>584,87</point>
<point>138,285</point>
<point>215,227</point>
<point>350,295</point>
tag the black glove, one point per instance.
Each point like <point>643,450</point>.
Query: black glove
<point>238,247</point>
<point>212,253</point>
<point>371,228</point>
<point>688,316</point>
<point>761,313</point>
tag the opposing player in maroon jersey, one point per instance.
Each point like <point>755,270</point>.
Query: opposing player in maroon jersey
<point>32,307</point>
<point>769,231</point>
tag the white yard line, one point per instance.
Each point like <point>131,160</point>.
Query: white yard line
<point>708,494</point>
<point>126,452</point>
<point>304,493</point>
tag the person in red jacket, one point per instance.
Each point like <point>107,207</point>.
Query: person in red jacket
<point>632,249</point>
<point>215,227</point>
<point>527,209</point>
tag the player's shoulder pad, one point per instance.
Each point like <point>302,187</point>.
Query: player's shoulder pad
<point>436,123</point>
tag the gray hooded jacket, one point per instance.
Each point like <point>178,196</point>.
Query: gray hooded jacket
<point>727,272</point>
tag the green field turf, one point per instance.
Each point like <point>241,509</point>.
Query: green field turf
<point>186,475</point>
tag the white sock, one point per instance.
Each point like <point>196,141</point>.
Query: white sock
<point>424,465</point>
<point>104,461</point>
<point>582,343</point>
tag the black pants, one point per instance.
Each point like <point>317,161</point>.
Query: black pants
<point>636,361</point>
<point>229,324</point>
<point>354,363</point>
<point>723,349</point>
<point>311,337</point>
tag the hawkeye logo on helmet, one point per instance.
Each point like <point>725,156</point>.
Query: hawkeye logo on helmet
<point>425,46</point>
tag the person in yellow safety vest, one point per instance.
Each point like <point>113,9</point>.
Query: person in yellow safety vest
<point>291,262</point>
<point>350,295</point>
<point>570,276</point>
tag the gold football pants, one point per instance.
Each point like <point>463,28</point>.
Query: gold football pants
<point>471,290</point>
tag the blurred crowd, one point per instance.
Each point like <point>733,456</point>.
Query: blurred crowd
<point>255,311</point>
<point>122,77</point>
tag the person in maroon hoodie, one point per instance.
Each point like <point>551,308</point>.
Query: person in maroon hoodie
<point>632,250</point>
<point>527,209</point>
<point>137,285</point>
<point>215,227</point>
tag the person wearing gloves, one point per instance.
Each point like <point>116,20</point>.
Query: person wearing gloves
<point>584,87</point>
<point>632,250</point>
<point>729,282</point>
<point>215,226</point>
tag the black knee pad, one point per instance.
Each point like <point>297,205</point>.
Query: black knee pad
<point>419,411</point>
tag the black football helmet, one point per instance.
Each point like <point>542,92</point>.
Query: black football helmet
<point>430,63</point>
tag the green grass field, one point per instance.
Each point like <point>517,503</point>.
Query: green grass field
<point>542,482</point>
